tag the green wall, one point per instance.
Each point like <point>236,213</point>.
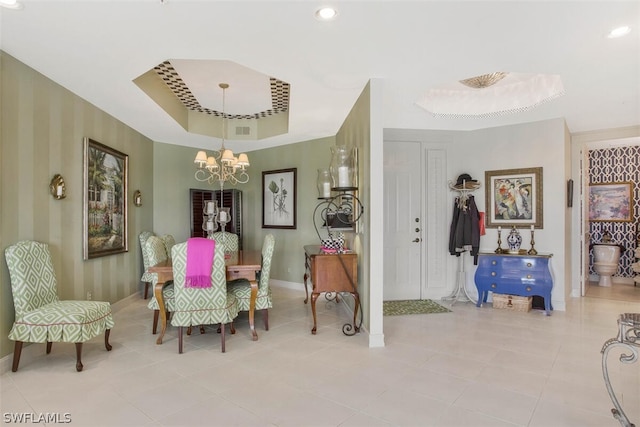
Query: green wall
<point>42,131</point>
<point>356,132</point>
<point>171,198</point>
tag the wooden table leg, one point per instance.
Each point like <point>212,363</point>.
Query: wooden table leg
<point>306,291</point>
<point>157,292</point>
<point>252,309</point>
<point>314,297</point>
<point>307,267</point>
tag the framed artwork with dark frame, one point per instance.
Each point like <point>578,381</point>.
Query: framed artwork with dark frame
<point>514,197</point>
<point>104,207</point>
<point>279,198</point>
<point>611,201</point>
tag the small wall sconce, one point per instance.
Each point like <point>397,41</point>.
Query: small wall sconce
<point>137,198</point>
<point>57,188</point>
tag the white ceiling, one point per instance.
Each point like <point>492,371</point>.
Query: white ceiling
<point>96,48</point>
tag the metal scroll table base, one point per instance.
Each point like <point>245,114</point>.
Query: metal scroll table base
<point>629,339</point>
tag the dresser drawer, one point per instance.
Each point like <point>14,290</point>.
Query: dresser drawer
<point>520,275</point>
<point>515,288</point>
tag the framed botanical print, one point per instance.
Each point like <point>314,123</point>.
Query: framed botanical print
<point>279,198</point>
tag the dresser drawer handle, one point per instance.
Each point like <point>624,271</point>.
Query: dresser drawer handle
<point>529,276</point>
<point>529,264</point>
<point>528,288</point>
<point>493,286</point>
<point>494,262</point>
<point>493,273</point>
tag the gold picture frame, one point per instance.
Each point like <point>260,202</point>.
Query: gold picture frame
<point>105,175</point>
<point>514,198</point>
<point>611,202</point>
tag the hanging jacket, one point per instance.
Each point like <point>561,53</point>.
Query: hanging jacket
<point>452,229</point>
<point>465,229</point>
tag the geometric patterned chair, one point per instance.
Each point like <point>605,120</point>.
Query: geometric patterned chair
<point>168,241</point>
<point>202,306</point>
<point>156,253</point>
<point>241,288</point>
<point>228,240</point>
<point>40,316</point>
<point>146,276</point>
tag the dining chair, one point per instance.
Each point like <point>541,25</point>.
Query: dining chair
<point>40,316</point>
<point>241,288</point>
<point>147,277</point>
<point>202,305</point>
<point>228,240</point>
<point>157,253</point>
<point>168,241</point>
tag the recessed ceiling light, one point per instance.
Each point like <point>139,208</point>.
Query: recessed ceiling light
<point>11,4</point>
<point>619,32</point>
<point>326,13</point>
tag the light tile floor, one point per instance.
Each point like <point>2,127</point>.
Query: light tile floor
<point>471,367</point>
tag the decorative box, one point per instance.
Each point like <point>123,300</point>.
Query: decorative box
<point>512,302</point>
<point>335,243</point>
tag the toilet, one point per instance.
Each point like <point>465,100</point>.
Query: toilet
<point>606,259</point>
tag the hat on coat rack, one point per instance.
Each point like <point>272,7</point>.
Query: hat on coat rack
<point>465,182</point>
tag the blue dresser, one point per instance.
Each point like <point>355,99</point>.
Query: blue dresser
<point>523,275</point>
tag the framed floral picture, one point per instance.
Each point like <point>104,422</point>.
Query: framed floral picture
<point>104,214</point>
<point>279,198</point>
<point>514,197</point>
<point>611,201</point>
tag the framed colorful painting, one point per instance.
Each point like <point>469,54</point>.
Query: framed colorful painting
<point>104,200</point>
<point>611,201</point>
<point>514,197</point>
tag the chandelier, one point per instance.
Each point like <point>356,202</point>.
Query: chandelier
<point>222,166</point>
<point>491,95</point>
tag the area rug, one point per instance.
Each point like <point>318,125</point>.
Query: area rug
<point>424,306</point>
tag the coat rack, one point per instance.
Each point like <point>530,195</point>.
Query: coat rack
<point>464,191</point>
<point>460,293</point>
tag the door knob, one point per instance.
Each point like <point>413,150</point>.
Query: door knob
<point>416,240</point>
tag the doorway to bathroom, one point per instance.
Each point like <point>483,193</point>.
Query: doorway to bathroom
<point>611,162</point>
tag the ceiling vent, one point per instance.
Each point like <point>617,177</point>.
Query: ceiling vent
<point>243,130</point>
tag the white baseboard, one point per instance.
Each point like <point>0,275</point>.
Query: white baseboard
<point>614,279</point>
<point>376,340</point>
<point>117,306</point>
<point>30,351</point>
<point>289,285</point>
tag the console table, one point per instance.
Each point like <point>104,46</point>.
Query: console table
<point>330,273</point>
<point>523,275</point>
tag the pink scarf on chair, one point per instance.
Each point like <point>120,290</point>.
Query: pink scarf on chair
<point>199,262</point>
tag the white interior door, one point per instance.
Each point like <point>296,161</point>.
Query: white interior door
<point>436,211</point>
<point>403,228</point>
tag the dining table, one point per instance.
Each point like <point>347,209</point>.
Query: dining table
<point>243,264</point>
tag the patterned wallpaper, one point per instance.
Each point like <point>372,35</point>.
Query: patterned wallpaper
<point>40,116</point>
<point>617,164</point>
